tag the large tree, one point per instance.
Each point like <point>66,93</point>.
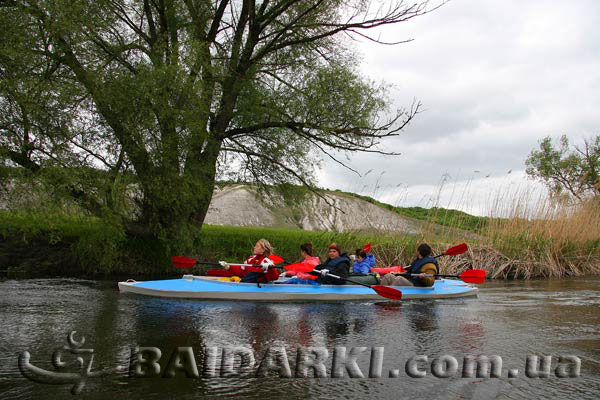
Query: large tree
<point>574,171</point>
<point>172,94</point>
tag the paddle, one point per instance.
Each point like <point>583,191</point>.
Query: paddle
<point>299,267</point>
<point>454,251</point>
<point>186,262</point>
<point>476,276</point>
<point>303,267</point>
<point>383,291</point>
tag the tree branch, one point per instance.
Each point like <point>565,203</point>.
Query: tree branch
<point>250,153</point>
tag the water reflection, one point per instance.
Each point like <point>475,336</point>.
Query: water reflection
<point>423,317</point>
<point>508,319</point>
<point>336,324</point>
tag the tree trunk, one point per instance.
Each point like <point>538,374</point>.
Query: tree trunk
<point>175,204</point>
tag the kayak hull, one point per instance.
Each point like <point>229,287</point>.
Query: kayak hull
<point>198,287</point>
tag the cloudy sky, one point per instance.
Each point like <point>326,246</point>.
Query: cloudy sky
<point>494,77</point>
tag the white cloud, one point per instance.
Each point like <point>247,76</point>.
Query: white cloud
<point>494,77</point>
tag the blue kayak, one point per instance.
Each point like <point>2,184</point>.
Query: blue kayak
<point>202,287</point>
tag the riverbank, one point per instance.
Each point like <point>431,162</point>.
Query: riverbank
<point>59,245</point>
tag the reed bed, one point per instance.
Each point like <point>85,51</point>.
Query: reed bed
<point>549,240</point>
<point>525,235</point>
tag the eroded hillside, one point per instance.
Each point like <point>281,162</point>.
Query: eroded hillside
<point>240,205</point>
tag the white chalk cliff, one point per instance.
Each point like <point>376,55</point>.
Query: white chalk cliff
<point>240,205</point>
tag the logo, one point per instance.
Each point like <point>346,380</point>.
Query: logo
<point>61,376</point>
<point>301,362</point>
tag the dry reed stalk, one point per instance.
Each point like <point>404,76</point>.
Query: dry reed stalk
<point>531,237</point>
<point>528,235</point>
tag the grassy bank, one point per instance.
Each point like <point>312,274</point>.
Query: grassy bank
<point>550,241</point>
<point>53,244</point>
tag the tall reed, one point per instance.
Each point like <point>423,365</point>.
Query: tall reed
<point>550,239</point>
<point>526,234</point>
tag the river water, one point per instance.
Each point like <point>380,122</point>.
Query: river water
<point>511,320</point>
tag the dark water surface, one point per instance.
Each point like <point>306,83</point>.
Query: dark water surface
<point>512,320</point>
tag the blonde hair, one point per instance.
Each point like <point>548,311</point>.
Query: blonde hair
<point>264,243</point>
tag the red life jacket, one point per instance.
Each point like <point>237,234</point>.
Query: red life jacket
<point>303,266</point>
<point>271,275</point>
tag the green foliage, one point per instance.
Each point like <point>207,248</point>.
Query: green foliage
<point>174,94</point>
<point>57,244</point>
<point>101,249</point>
<point>106,249</point>
<point>94,243</point>
<point>26,225</point>
<point>574,171</point>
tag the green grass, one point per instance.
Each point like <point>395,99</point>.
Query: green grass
<point>85,244</point>
<point>56,227</point>
<point>235,243</point>
<point>62,244</point>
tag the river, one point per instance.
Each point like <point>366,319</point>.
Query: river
<point>397,341</point>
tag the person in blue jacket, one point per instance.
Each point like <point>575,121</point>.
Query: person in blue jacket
<point>363,262</point>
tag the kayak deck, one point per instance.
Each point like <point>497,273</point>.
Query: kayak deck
<point>199,287</point>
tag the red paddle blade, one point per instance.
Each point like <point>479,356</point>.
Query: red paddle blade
<point>476,276</point>
<point>299,267</point>
<point>276,259</point>
<point>367,248</point>
<point>387,292</point>
<point>456,250</point>
<point>183,262</point>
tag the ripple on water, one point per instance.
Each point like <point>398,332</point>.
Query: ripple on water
<point>511,321</point>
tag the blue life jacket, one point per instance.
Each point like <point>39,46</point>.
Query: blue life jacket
<point>415,268</point>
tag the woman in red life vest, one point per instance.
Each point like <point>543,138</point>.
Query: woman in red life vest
<point>306,252</point>
<point>263,272</point>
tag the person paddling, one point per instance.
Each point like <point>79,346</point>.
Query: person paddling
<point>306,252</point>
<point>422,266</point>
<point>263,271</point>
<point>308,261</point>
<point>338,264</point>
